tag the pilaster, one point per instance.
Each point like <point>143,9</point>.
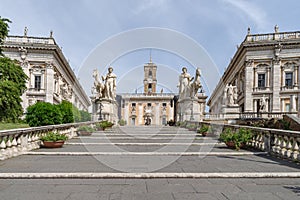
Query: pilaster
<point>276,85</point>
<point>249,86</point>
<point>49,83</point>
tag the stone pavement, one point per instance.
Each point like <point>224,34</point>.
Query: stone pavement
<point>107,165</point>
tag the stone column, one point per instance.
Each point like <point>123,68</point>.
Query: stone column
<point>282,78</point>
<point>293,103</point>
<point>255,105</point>
<point>49,83</point>
<point>268,78</point>
<point>248,86</point>
<point>255,78</point>
<point>298,104</point>
<point>296,76</point>
<point>25,67</point>
<point>282,105</point>
<point>276,86</point>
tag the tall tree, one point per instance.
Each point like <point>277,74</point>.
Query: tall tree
<point>12,82</point>
<point>4,29</point>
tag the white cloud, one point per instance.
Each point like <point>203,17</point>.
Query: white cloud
<point>254,12</point>
<point>149,4</point>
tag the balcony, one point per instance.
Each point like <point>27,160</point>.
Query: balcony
<point>261,89</point>
<point>288,87</point>
<point>36,91</point>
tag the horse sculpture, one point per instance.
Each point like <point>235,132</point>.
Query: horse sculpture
<point>98,87</point>
<point>194,87</point>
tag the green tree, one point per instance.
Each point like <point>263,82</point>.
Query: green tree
<point>66,109</point>
<point>4,29</point>
<point>43,113</point>
<point>12,86</point>
<point>12,82</point>
<point>85,116</point>
<point>76,114</point>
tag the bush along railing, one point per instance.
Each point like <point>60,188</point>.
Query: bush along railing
<point>281,143</point>
<point>17,141</point>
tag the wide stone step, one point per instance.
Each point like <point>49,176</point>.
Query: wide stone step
<point>225,163</point>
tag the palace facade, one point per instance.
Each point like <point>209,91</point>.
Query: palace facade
<point>149,107</point>
<point>51,78</point>
<point>265,73</point>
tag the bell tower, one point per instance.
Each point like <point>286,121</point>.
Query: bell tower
<point>150,77</point>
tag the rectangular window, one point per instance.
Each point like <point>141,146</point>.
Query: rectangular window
<point>149,87</point>
<point>149,104</point>
<point>287,107</point>
<point>133,104</point>
<point>164,104</point>
<point>261,80</point>
<point>37,82</point>
<point>150,74</point>
<point>289,79</point>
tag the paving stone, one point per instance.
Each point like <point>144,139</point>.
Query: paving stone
<point>140,189</point>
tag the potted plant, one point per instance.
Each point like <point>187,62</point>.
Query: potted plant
<point>204,130</point>
<point>191,127</point>
<point>236,139</point>
<point>171,123</point>
<point>122,122</point>
<point>53,140</point>
<point>85,130</point>
<point>103,125</point>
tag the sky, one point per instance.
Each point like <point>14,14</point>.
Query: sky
<point>191,33</point>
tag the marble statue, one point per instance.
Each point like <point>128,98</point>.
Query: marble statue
<point>196,84</point>
<point>98,88</point>
<point>184,81</point>
<point>230,95</point>
<point>110,84</point>
<point>263,104</point>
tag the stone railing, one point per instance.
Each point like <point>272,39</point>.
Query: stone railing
<point>281,143</point>
<point>273,36</point>
<point>17,141</point>
<point>31,40</point>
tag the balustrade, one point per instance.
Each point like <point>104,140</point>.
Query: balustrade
<point>282,143</point>
<point>16,142</point>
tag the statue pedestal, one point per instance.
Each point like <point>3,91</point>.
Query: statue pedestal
<point>231,112</point>
<point>107,108</point>
<point>191,109</point>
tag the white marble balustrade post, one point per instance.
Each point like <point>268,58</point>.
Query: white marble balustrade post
<point>3,148</point>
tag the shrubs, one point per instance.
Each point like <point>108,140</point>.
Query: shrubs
<point>104,124</point>
<point>42,113</point>
<point>54,137</point>
<point>236,138</point>
<point>85,128</point>
<point>122,122</point>
<point>66,111</point>
<point>204,130</point>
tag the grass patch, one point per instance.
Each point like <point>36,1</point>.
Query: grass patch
<point>7,126</point>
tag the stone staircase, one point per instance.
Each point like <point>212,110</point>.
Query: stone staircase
<point>155,162</point>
